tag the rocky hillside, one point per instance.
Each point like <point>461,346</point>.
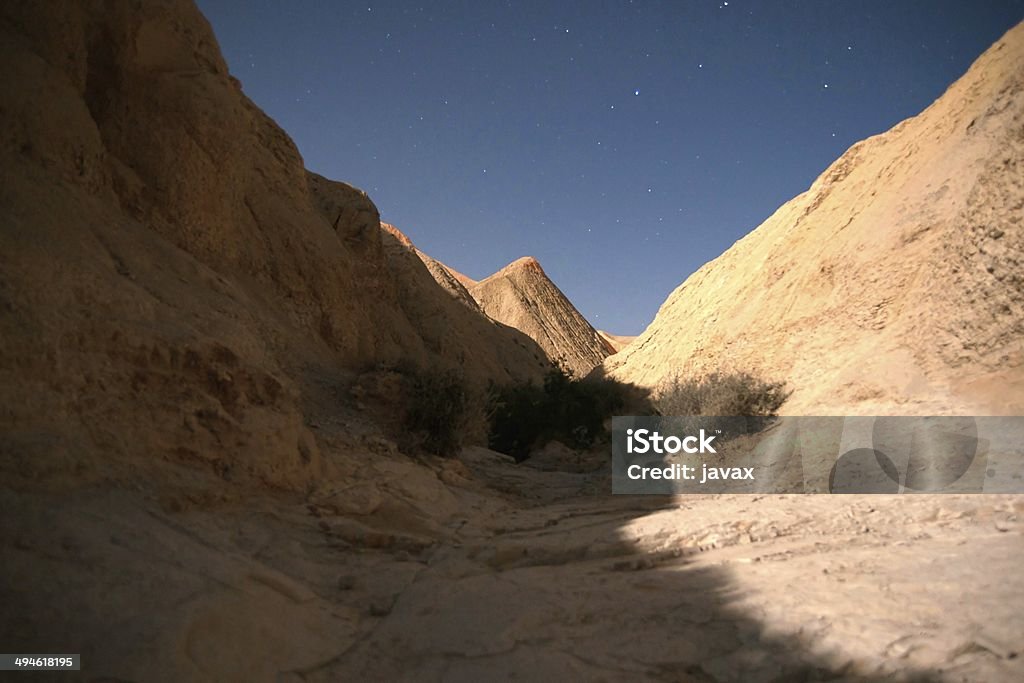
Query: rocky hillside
<point>893,285</point>
<point>465,280</point>
<point>521,295</point>
<point>172,280</point>
<point>442,274</point>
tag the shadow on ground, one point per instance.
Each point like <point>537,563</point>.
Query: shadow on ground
<point>528,584</point>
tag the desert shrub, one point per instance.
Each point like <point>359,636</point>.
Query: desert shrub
<point>438,410</point>
<point>737,393</point>
<point>516,418</point>
<point>573,411</point>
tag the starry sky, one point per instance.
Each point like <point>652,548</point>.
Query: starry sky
<point>623,144</point>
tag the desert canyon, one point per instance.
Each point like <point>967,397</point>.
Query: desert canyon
<point>198,350</point>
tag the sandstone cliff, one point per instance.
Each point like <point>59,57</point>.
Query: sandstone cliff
<point>449,280</point>
<point>172,280</point>
<point>464,280</point>
<point>521,295</point>
<point>894,284</point>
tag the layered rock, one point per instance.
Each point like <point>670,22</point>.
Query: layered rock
<point>171,277</point>
<point>894,284</point>
<point>450,281</point>
<point>521,295</point>
<point>616,342</point>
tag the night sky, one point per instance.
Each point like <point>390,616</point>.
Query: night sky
<point>623,144</point>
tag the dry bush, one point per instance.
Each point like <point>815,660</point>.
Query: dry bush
<point>733,393</point>
<point>441,412</point>
<point>573,411</point>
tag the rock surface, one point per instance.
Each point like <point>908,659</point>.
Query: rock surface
<point>522,296</point>
<point>171,278</point>
<point>411,572</point>
<point>451,281</point>
<point>617,342</point>
<point>894,285</point>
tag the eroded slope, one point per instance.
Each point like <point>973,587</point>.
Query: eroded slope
<point>893,285</point>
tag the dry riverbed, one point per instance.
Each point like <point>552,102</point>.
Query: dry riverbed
<point>480,569</point>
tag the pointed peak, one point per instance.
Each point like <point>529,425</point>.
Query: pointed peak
<point>524,264</point>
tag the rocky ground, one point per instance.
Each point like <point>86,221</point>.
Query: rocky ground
<point>480,569</point>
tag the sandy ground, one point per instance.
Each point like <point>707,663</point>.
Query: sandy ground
<point>526,575</point>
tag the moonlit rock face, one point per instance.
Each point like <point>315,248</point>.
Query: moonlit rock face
<point>162,244</point>
<point>893,284</point>
<point>522,296</point>
<point>451,281</point>
<point>398,234</point>
<point>525,263</point>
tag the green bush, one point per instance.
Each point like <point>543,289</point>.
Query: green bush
<point>573,411</point>
<point>441,413</point>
